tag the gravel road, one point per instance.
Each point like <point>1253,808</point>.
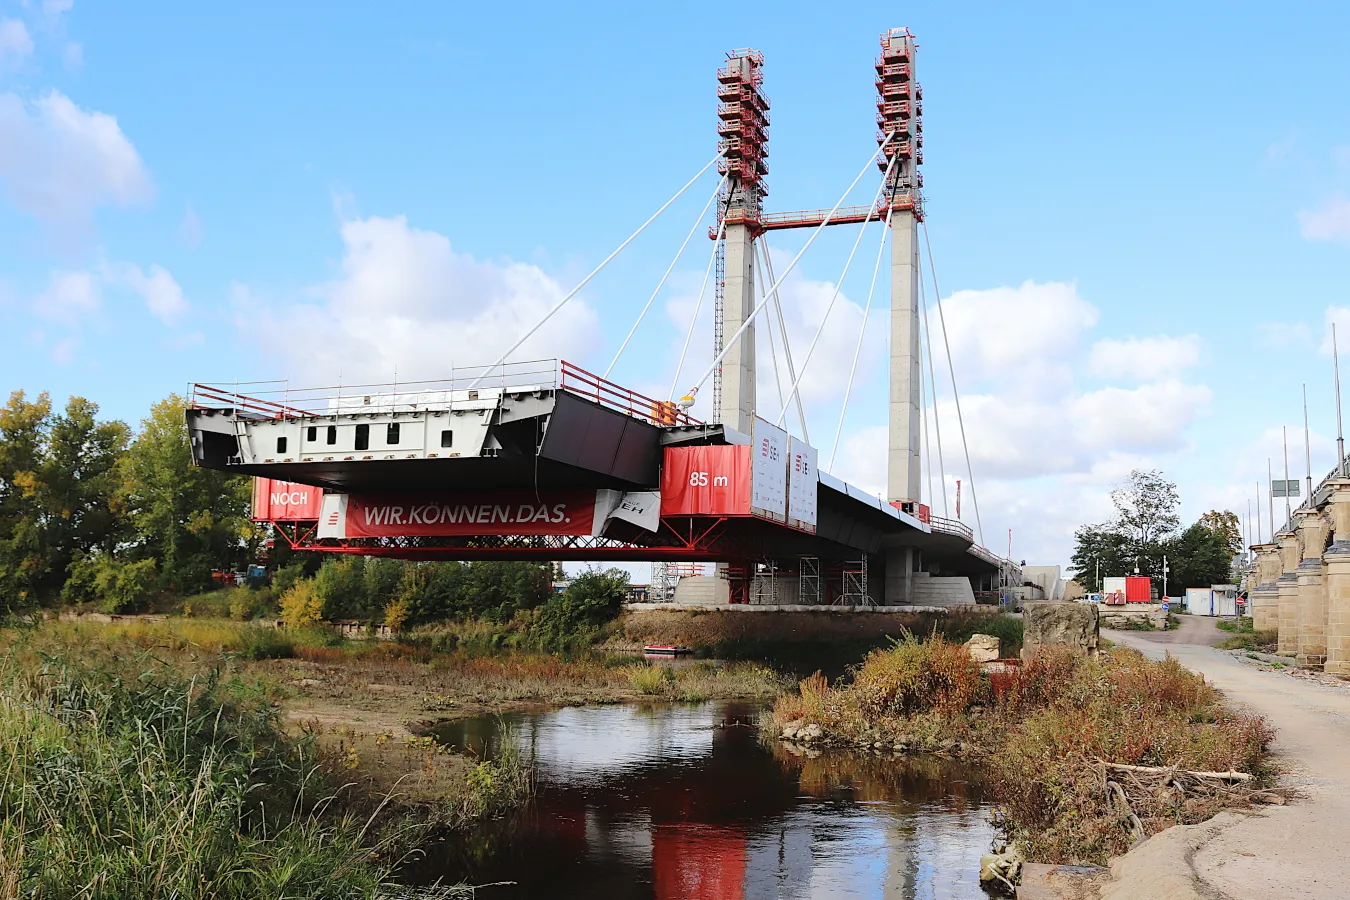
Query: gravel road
<point>1299,850</point>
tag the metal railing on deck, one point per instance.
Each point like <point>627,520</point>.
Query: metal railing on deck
<point>951,526</point>
<point>278,400</point>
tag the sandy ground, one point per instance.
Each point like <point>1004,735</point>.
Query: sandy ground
<point>1299,850</point>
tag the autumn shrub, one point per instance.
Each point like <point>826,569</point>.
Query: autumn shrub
<point>302,605</point>
<point>1062,719</point>
<point>913,677</point>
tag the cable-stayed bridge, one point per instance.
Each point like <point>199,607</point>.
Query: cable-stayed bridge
<point>545,460</point>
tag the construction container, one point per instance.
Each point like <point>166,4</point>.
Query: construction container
<point>1200,601</point>
<point>1138,589</point>
<point>1224,599</point>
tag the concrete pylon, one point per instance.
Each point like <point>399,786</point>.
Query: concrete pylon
<point>1337,559</point>
<point>1312,530</point>
<point>738,366</point>
<point>1263,596</point>
<point>902,464</point>
<point>1287,592</point>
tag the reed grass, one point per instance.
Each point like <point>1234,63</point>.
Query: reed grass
<point>121,779</point>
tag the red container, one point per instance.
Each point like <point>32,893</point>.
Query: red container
<point>1138,589</point>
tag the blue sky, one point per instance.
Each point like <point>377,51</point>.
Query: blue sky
<point>1140,214</point>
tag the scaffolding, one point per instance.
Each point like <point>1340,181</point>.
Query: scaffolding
<point>900,114</point>
<point>855,585</point>
<point>808,581</point>
<point>764,585</point>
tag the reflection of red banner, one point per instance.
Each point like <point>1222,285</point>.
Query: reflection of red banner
<point>698,862</point>
<point>706,481</point>
<point>435,515</point>
<point>283,501</point>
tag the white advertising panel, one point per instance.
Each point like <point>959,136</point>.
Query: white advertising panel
<point>769,471</point>
<point>803,484</point>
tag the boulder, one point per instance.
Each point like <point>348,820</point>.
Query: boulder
<point>982,647</point>
<point>1072,625</point>
<point>809,733</point>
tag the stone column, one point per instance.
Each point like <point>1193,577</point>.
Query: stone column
<point>1312,530</point>
<point>1337,559</point>
<point>1287,592</point>
<point>1263,596</point>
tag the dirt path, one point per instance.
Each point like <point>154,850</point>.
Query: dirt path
<point>1202,630</point>
<point>1297,850</point>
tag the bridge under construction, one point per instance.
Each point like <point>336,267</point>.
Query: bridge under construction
<point>544,460</point>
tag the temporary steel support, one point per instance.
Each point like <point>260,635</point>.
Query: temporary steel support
<point>854,588</point>
<point>808,581</point>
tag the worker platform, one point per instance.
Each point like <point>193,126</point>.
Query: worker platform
<point>546,461</point>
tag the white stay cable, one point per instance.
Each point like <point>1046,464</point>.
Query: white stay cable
<point>782,330</point>
<point>951,368</point>
<point>839,285</point>
<point>857,351</point>
<point>662,283</point>
<point>702,292</point>
<point>596,271</point>
<point>773,345</point>
<point>932,389</point>
<point>792,265</point>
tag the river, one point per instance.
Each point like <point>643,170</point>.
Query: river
<point>683,802</point>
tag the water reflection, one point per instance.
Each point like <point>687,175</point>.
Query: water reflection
<point>681,802</point>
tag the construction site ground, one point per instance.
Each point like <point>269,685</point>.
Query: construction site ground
<point>1296,850</point>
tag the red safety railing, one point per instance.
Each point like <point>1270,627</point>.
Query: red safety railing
<point>578,381</point>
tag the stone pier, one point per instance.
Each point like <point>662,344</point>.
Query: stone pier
<point>1337,559</point>
<point>1312,530</point>
<point>1287,592</point>
<point>1263,597</point>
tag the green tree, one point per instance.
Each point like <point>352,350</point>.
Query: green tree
<point>1146,511</point>
<point>1199,557</point>
<point>24,558</point>
<point>189,519</point>
<point>79,480</point>
<point>572,617</point>
<point>1099,552</point>
<point>1226,524</point>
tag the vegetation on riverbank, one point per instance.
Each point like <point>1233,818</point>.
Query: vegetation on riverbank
<point>1045,729</point>
<point>1246,637</point>
<point>125,777</point>
<point>802,642</point>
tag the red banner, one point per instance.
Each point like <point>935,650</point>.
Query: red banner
<point>284,501</point>
<point>438,515</point>
<point>706,481</point>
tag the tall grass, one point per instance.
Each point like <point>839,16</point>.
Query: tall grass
<point>1046,729</point>
<point>120,779</point>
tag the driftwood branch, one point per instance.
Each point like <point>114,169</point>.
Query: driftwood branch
<point>1164,770</point>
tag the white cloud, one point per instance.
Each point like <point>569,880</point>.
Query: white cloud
<point>1045,446</point>
<point>1328,222</point>
<point>15,42</point>
<point>54,8</point>
<point>1144,359</point>
<point>59,162</point>
<point>70,297</point>
<point>405,301</point>
<point>73,56</point>
<point>1022,335</point>
<point>157,287</point>
<point>73,296</point>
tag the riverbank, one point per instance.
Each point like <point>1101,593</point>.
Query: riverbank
<point>370,705</point>
<point>1293,850</point>
<point>127,778</point>
<point>1049,733</point>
